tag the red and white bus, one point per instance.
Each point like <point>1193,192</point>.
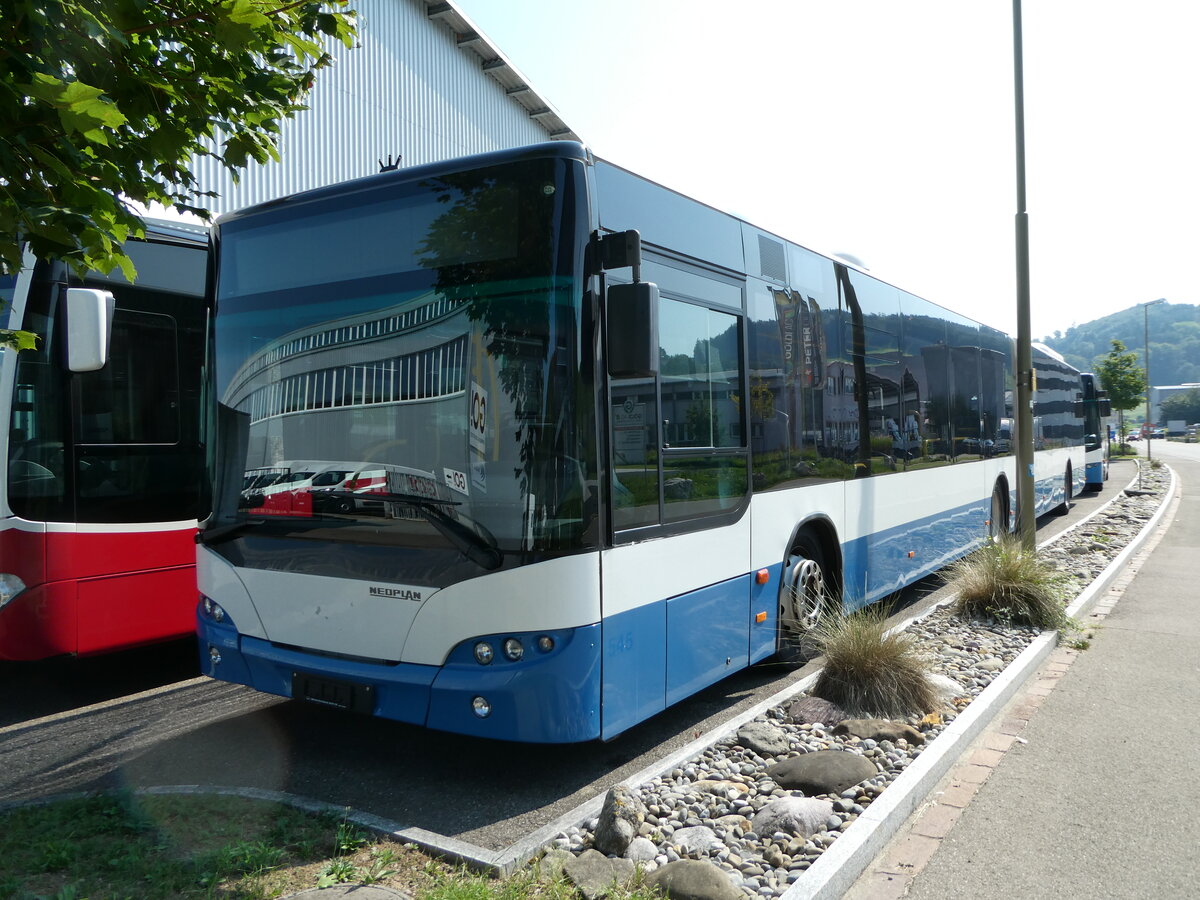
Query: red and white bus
<point>103,465</point>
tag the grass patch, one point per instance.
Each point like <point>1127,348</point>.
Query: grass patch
<point>1076,635</point>
<point>869,672</point>
<point>1004,581</point>
<point>116,847</point>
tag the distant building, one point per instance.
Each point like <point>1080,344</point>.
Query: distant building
<point>1162,392</point>
<point>423,84</point>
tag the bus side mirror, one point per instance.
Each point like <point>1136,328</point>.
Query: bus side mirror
<point>1079,411</point>
<point>632,330</point>
<point>1105,407</point>
<point>89,315</point>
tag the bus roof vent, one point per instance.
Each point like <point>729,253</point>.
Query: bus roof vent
<point>853,260</point>
<point>772,260</point>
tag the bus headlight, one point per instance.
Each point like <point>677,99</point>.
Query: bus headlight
<point>545,643</point>
<point>10,586</point>
<point>484,653</point>
<point>211,609</point>
<point>513,649</point>
<point>481,707</point>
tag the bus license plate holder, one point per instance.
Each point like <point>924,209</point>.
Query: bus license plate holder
<point>331,692</point>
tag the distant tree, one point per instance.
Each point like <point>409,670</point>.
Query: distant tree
<point>105,102</point>
<point>1124,380</point>
<point>1184,406</point>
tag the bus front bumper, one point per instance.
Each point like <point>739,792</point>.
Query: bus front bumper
<point>544,697</point>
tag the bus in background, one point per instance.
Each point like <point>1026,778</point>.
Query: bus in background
<point>628,444</point>
<point>1095,411</point>
<point>103,474</point>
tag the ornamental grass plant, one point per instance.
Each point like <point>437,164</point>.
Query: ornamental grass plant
<point>868,671</point>
<point>1008,583</point>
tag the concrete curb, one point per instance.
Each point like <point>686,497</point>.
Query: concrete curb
<point>842,863</point>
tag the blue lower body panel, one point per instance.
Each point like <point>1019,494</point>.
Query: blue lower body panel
<point>548,696</point>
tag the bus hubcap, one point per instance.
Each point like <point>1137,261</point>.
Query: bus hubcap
<point>806,591</point>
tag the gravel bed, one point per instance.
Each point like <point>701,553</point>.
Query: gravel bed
<point>703,809</point>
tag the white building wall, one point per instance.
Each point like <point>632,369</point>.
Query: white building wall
<point>408,90</point>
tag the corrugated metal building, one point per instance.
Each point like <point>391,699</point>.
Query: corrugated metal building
<point>423,84</point>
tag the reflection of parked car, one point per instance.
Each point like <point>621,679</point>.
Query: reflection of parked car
<point>255,483</point>
<point>335,497</point>
<point>285,489</point>
<point>1004,436</point>
<point>364,491</point>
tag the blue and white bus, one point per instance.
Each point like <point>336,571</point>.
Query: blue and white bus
<point>608,444</point>
<point>1095,412</point>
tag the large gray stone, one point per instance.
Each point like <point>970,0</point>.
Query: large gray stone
<point>763,738</point>
<point>811,710</point>
<point>641,850</point>
<point>619,819</point>
<point>696,839</point>
<point>596,875</point>
<point>823,772</point>
<point>794,815</point>
<point>945,687</point>
<point>880,730</point>
<point>693,879</point>
<point>550,867</point>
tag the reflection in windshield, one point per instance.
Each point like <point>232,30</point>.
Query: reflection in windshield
<point>417,346</point>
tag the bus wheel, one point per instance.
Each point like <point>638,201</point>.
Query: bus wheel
<point>1066,504</point>
<point>998,521</point>
<point>805,597</point>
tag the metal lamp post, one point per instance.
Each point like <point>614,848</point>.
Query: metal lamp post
<point>1026,520</point>
<point>1146,342</point>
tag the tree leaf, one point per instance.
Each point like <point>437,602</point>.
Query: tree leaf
<point>121,98</point>
<point>18,340</point>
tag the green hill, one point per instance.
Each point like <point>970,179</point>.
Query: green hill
<point>1174,340</point>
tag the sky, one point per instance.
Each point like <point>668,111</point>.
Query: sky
<point>886,130</point>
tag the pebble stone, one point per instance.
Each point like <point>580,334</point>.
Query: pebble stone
<point>970,653</point>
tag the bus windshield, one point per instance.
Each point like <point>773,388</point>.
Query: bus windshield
<point>404,356</point>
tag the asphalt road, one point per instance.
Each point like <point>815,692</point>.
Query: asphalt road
<point>72,726</point>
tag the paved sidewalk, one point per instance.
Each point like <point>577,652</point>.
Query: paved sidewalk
<point>1086,785</point>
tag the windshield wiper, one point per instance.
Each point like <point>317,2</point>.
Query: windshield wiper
<point>220,533</point>
<point>475,543</point>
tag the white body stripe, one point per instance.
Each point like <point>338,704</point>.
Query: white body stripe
<point>650,571</point>
<point>558,593</point>
<point>340,615</point>
<point>121,527</point>
<point>777,513</point>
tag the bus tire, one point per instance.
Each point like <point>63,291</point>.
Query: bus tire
<point>1065,506</point>
<point>998,522</point>
<point>806,596</point>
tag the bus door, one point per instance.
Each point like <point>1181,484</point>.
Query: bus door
<point>676,589</point>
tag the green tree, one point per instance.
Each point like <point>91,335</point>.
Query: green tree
<point>1124,380</point>
<point>105,101</point>
<point>1184,406</point>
